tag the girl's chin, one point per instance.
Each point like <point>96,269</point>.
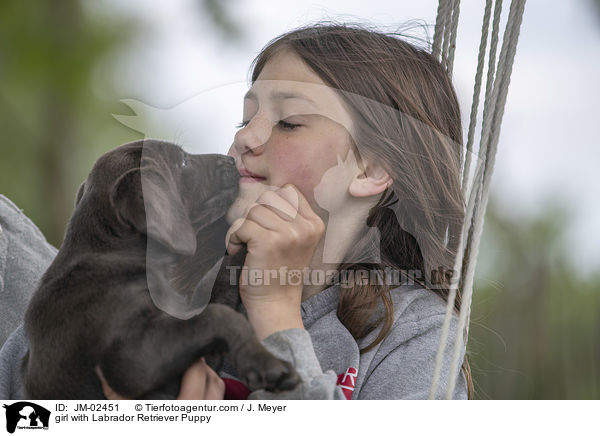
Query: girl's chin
<point>250,192</point>
<point>235,211</point>
<point>239,207</point>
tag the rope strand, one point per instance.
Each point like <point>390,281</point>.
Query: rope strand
<point>437,33</point>
<point>440,23</point>
<point>477,189</point>
<point>504,70</point>
<point>485,28</point>
<point>453,31</point>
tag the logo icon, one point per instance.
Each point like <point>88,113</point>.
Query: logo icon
<point>347,381</point>
<point>26,415</point>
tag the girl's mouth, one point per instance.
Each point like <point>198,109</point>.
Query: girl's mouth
<point>249,177</point>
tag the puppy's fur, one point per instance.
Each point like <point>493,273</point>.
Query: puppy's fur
<point>93,307</point>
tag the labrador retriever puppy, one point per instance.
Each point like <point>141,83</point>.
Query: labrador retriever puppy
<point>144,208</point>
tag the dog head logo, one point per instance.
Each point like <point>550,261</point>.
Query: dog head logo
<point>26,415</point>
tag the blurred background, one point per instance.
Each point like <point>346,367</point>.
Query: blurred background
<point>66,67</point>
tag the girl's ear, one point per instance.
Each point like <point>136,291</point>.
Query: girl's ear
<point>374,180</point>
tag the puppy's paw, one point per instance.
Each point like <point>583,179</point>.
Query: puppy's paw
<point>262,370</point>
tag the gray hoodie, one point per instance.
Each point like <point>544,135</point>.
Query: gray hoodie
<point>24,257</point>
<point>324,353</point>
<point>400,367</point>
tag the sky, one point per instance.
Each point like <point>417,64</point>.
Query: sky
<point>548,148</point>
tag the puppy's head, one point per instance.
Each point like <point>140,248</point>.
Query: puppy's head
<point>156,188</point>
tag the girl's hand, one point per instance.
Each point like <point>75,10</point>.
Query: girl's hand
<point>199,382</point>
<point>281,232</point>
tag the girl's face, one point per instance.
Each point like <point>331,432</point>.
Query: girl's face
<point>294,129</point>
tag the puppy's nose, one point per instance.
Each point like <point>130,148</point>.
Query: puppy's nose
<point>228,173</point>
<point>225,161</point>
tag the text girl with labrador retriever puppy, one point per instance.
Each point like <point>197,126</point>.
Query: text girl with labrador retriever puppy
<point>361,132</point>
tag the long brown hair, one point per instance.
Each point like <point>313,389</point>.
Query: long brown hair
<point>407,118</point>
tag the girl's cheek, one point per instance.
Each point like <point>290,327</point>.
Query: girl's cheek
<point>304,164</point>
<point>296,169</point>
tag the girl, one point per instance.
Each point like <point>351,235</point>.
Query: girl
<point>349,153</point>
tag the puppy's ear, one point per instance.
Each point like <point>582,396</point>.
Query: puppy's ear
<point>80,192</point>
<point>153,206</point>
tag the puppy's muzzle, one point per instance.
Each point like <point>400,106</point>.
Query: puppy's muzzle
<point>227,172</point>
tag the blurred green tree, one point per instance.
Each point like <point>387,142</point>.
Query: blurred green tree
<point>54,123</point>
<point>51,121</point>
<point>535,324</point>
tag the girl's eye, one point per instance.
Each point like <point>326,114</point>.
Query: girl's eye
<point>283,124</point>
<point>288,126</point>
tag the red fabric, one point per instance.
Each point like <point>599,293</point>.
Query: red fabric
<point>235,390</point>
<point>347,381</point>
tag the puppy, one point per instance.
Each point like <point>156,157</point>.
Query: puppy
<point>144,207</point>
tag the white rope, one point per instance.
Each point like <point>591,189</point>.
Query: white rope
<point>488,103</point>
<point>445,10</point>
<point>440,24</point>
<point>504,70</point>
<point>472,191</point>
<point>444,38</point>
<point>488,94</point>
<point>448,10</point>
<point>452,37</point>
<point>495,99</point>
<point>485,28</point>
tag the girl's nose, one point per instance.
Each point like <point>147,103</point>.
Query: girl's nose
<point>253,137</point>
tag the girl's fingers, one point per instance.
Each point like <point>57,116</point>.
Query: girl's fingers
<point>267,214</point>
<point>200,382</point>
<point>193,383</point>
<point>292,195</point>
<point>267,217</point>
<point>215,386</point>
<point>285,206</point>
<point>260,219</point>
<point>313,224</point>
<point>238,234</point>
<point>106,389</point>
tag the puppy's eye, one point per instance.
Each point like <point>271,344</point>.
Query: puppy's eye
<point>183,162</point>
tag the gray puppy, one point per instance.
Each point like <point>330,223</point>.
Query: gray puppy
<point>93,307</point>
